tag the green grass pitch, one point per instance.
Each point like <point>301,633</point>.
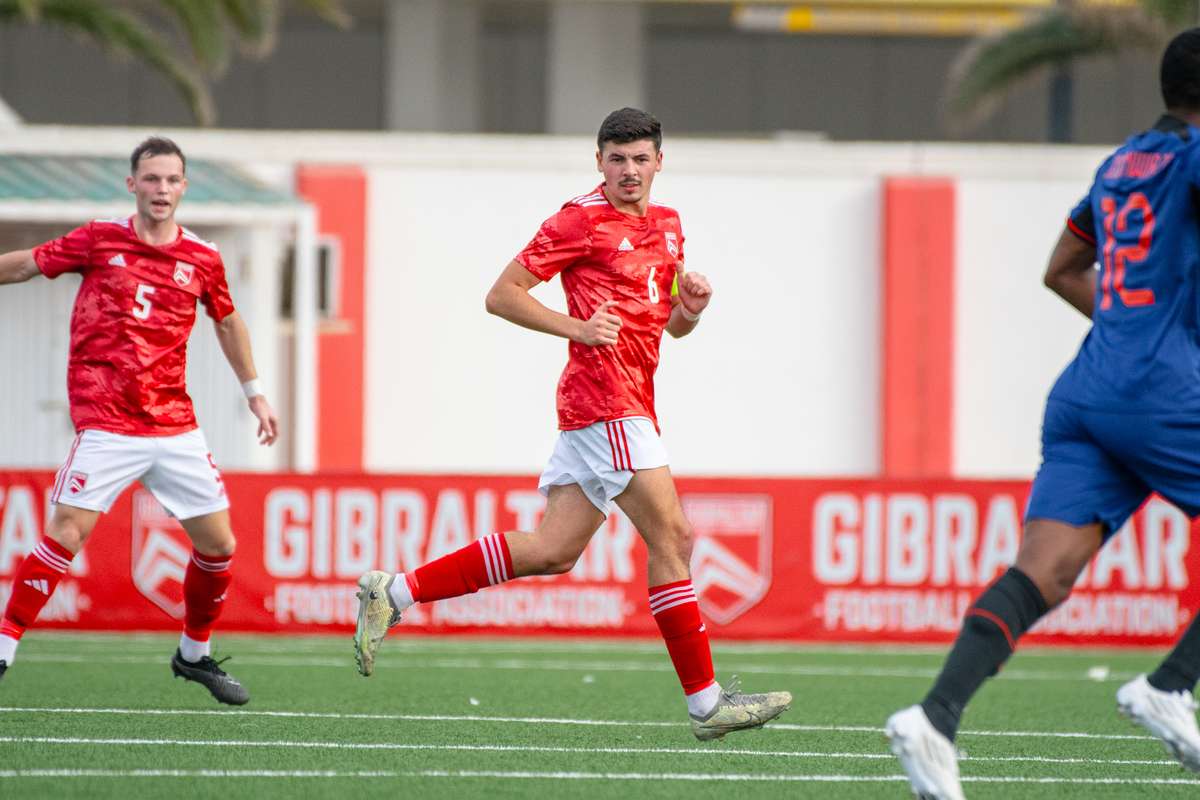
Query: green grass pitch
<point>100,716</point>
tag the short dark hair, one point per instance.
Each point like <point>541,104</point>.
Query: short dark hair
<point>627,125</point>
<point>1179,76</point>
<point>155,146</point>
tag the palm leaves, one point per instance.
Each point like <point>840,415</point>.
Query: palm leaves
<point>992,64</point>
<point>208,26</point>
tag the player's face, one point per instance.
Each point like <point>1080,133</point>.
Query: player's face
<point>158,185</point>
<point>628,170</point>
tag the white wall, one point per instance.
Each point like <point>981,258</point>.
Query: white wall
<point>1013,336</point>
<point>780,378</point>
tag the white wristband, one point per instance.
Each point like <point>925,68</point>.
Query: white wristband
<point>689,316</point>
<point>252,388</point>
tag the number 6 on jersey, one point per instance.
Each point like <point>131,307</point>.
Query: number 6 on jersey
<point>141,308</point>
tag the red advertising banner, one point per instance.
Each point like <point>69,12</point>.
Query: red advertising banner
<point>797,560</point>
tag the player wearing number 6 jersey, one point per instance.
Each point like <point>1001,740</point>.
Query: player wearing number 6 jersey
<point>1122,421</point>
<point>618,256</point>
<point>142,278</point>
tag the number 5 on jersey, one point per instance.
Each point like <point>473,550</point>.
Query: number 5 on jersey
<point>141,307</point>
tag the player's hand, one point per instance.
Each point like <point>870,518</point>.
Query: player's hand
<point>268,423</point>
<point>694,292</point>
<point>603,327</point>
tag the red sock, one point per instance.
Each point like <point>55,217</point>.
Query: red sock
<point>204,585</point>
<point>469,569</point>
<point>677,613</point>
<point>33,584</point>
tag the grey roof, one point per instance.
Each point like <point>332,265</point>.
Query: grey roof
<point>101,179</point>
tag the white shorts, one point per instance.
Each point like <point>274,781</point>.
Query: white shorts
<point>178,470</point>
<point>602,458</point>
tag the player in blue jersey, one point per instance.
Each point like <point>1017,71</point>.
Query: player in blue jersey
<point>1122,421</point>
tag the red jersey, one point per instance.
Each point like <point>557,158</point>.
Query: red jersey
<point>130,326</point>
<point>604,254</point>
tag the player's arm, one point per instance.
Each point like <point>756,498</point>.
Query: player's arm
<point>509,299</point>
<point>1070,273</point>
<point>17,266</point>
<point>693,297</point>
<point>235,344</point>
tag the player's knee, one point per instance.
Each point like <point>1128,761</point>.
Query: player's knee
<point>682,539</point>
<point>223,546</point>
<point>559,563</point>
<point>68,533</point>
<point>1058,588</point>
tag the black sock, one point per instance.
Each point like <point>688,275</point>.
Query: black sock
<point>989,633</point>
<point>1181,669</point>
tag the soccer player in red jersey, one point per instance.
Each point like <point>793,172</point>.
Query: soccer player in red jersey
<point>620,258</point>
<point>142,276</point>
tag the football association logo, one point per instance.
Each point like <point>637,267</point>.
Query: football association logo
<point>76,482</point>
<point>672,244</point>
<point>731,562</point>
<point>161,551</point>
<point>183,273</point>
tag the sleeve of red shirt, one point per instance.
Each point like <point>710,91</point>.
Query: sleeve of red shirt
<point>215,297</point>
<point>70,253</point>
<point>561,241</point>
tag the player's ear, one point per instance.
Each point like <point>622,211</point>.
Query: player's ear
<point>658,161</point>
<point>129,183</point>
<point>599,162</point>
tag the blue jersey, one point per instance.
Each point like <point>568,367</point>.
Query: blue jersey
<point>1142,354</point>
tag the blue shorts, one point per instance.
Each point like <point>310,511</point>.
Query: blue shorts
<point>1100,466</point>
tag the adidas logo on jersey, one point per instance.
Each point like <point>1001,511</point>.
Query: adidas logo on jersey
<point>625,245</point>
<point>41,584</point>
<point>117,261</point>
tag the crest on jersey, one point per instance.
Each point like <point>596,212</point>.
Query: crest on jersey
<point>161,551</point>
<point>672,244</point>
<point>76,482</point>
<point>731,562</point>
<point>183,273</point>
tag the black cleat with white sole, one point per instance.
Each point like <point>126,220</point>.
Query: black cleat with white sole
<point>208,673</point>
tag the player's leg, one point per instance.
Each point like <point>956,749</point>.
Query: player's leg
<point>1165,452</point>
<point>184,478</point>
<point>651,503</point>
<point>1080,495</point>
<point>98,468</point>
<point>1052,555</point>
<point>570,520</point>
<point>39,572</point>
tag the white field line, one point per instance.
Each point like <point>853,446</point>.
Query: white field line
<point>533,665</point>
<point>501,748</point>
<point>487,644</point>
<point>200,712</point>
<point>560,776</point>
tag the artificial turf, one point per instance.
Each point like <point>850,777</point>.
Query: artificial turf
<point>96,716</point>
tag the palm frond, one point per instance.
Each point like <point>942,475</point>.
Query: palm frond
<point>991,65</point>
<point>123,33</point>
<point>1175,13</point>
<point>255,22</point>
<point>203,25</point>
<point>332,11</point>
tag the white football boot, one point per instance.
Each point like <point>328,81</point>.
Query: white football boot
<point>739,711</point>
<point>927,756</point>
<point>376,613</point>
<point>1169,716</point>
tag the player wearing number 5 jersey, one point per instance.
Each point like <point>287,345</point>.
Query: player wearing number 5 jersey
<point>1122,421</point>
<point>619,257</point>
<point>143,276</point>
